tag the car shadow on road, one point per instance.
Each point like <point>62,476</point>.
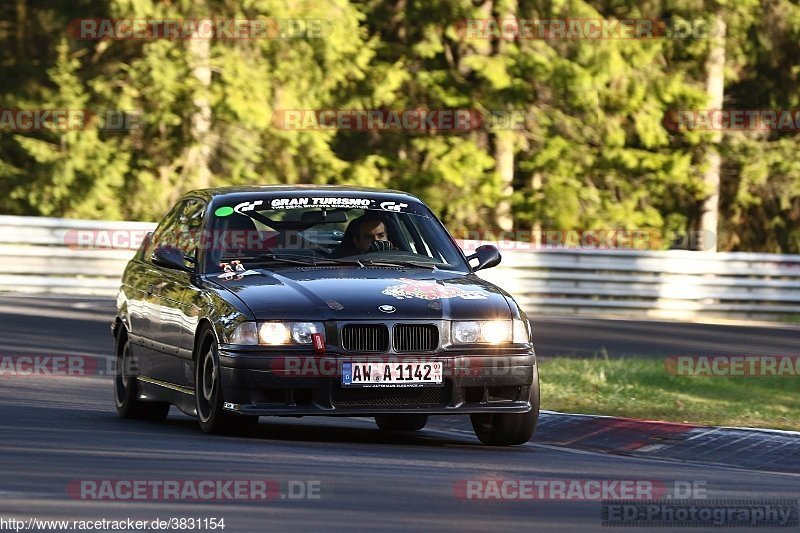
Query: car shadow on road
<point>339,430</point>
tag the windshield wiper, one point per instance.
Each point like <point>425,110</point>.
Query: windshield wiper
<point>350,262</point>
<point>392,262</point>
<point>309,261</point>
<point>284,259</point>
<point>272,257</point>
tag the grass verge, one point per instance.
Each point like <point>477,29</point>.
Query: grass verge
<point>642,388</point>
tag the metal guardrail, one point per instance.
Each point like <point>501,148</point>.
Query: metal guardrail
<point>39,254</point>
<point>669,284</point>
<point>43,255</point>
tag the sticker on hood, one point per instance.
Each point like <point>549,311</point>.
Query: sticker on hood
<point>235,271</point>
<point>429,290</point>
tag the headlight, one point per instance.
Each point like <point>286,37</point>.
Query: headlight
<point>275,333</point>
<point>302,331</point>
<point>466,332</point>
<point>496,331</point>
<point>486,331</point>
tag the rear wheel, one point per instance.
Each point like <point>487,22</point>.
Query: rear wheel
<point>401,422</point>
<point>126,387</point>
<point>502,429</point>
<point>208,393</point>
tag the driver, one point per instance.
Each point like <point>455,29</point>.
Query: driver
<point>371,236</point>
<point>365,234</point>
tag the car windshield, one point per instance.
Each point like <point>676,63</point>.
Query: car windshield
<point>332,231</point>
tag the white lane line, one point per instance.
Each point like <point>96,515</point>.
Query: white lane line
<point>700,434</point>
<point>765,430</point>
<point>650,448</point>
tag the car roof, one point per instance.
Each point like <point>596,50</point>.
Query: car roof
<point>217,193</point>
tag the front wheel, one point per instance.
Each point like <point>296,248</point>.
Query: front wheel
<point>208,393</point>
<point>508,429</point>
<point>401,422</point>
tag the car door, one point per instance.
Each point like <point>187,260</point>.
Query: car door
<point>187,297</point>
<point>173,309</point>
<point>145,310</point>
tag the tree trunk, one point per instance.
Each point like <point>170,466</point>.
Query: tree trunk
<point>536,227</point>
<point>504,143</point>
<point>715,87</point>
<point>198,157</point>
<point>21,38</point>
<point>504,164</point>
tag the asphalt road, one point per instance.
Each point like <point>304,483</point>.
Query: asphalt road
<point>58,431</point>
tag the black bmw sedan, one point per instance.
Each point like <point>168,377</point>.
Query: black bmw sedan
<point>313,300</point>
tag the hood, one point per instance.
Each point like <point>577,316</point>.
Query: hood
<point>344,293</point>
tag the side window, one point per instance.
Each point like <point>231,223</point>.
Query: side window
<point>163,229</point>
<point>189,226</point>
<point>180,228</point>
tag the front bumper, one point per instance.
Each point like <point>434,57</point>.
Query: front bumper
<point>263,384</point>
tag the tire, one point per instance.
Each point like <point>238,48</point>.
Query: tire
<point>501,429</point>
<point>401,422</point>
<point>208,393</point>
<point>126,387</point>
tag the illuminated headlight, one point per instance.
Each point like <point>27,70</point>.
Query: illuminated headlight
<point>275,333</point>
<point>487,331</point>
<point>496,331</point>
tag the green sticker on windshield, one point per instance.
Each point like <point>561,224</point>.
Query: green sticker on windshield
<point>223,211</point>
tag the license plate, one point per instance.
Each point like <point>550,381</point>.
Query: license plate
<point>391,374</point>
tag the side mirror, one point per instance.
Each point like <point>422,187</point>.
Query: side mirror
<point>487,256</point>
<point>170,257</point>
<point>146,241</point>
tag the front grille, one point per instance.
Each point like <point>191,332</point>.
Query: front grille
<point>365,338</point>
<point>415,337</point>
<point>390,396</point>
